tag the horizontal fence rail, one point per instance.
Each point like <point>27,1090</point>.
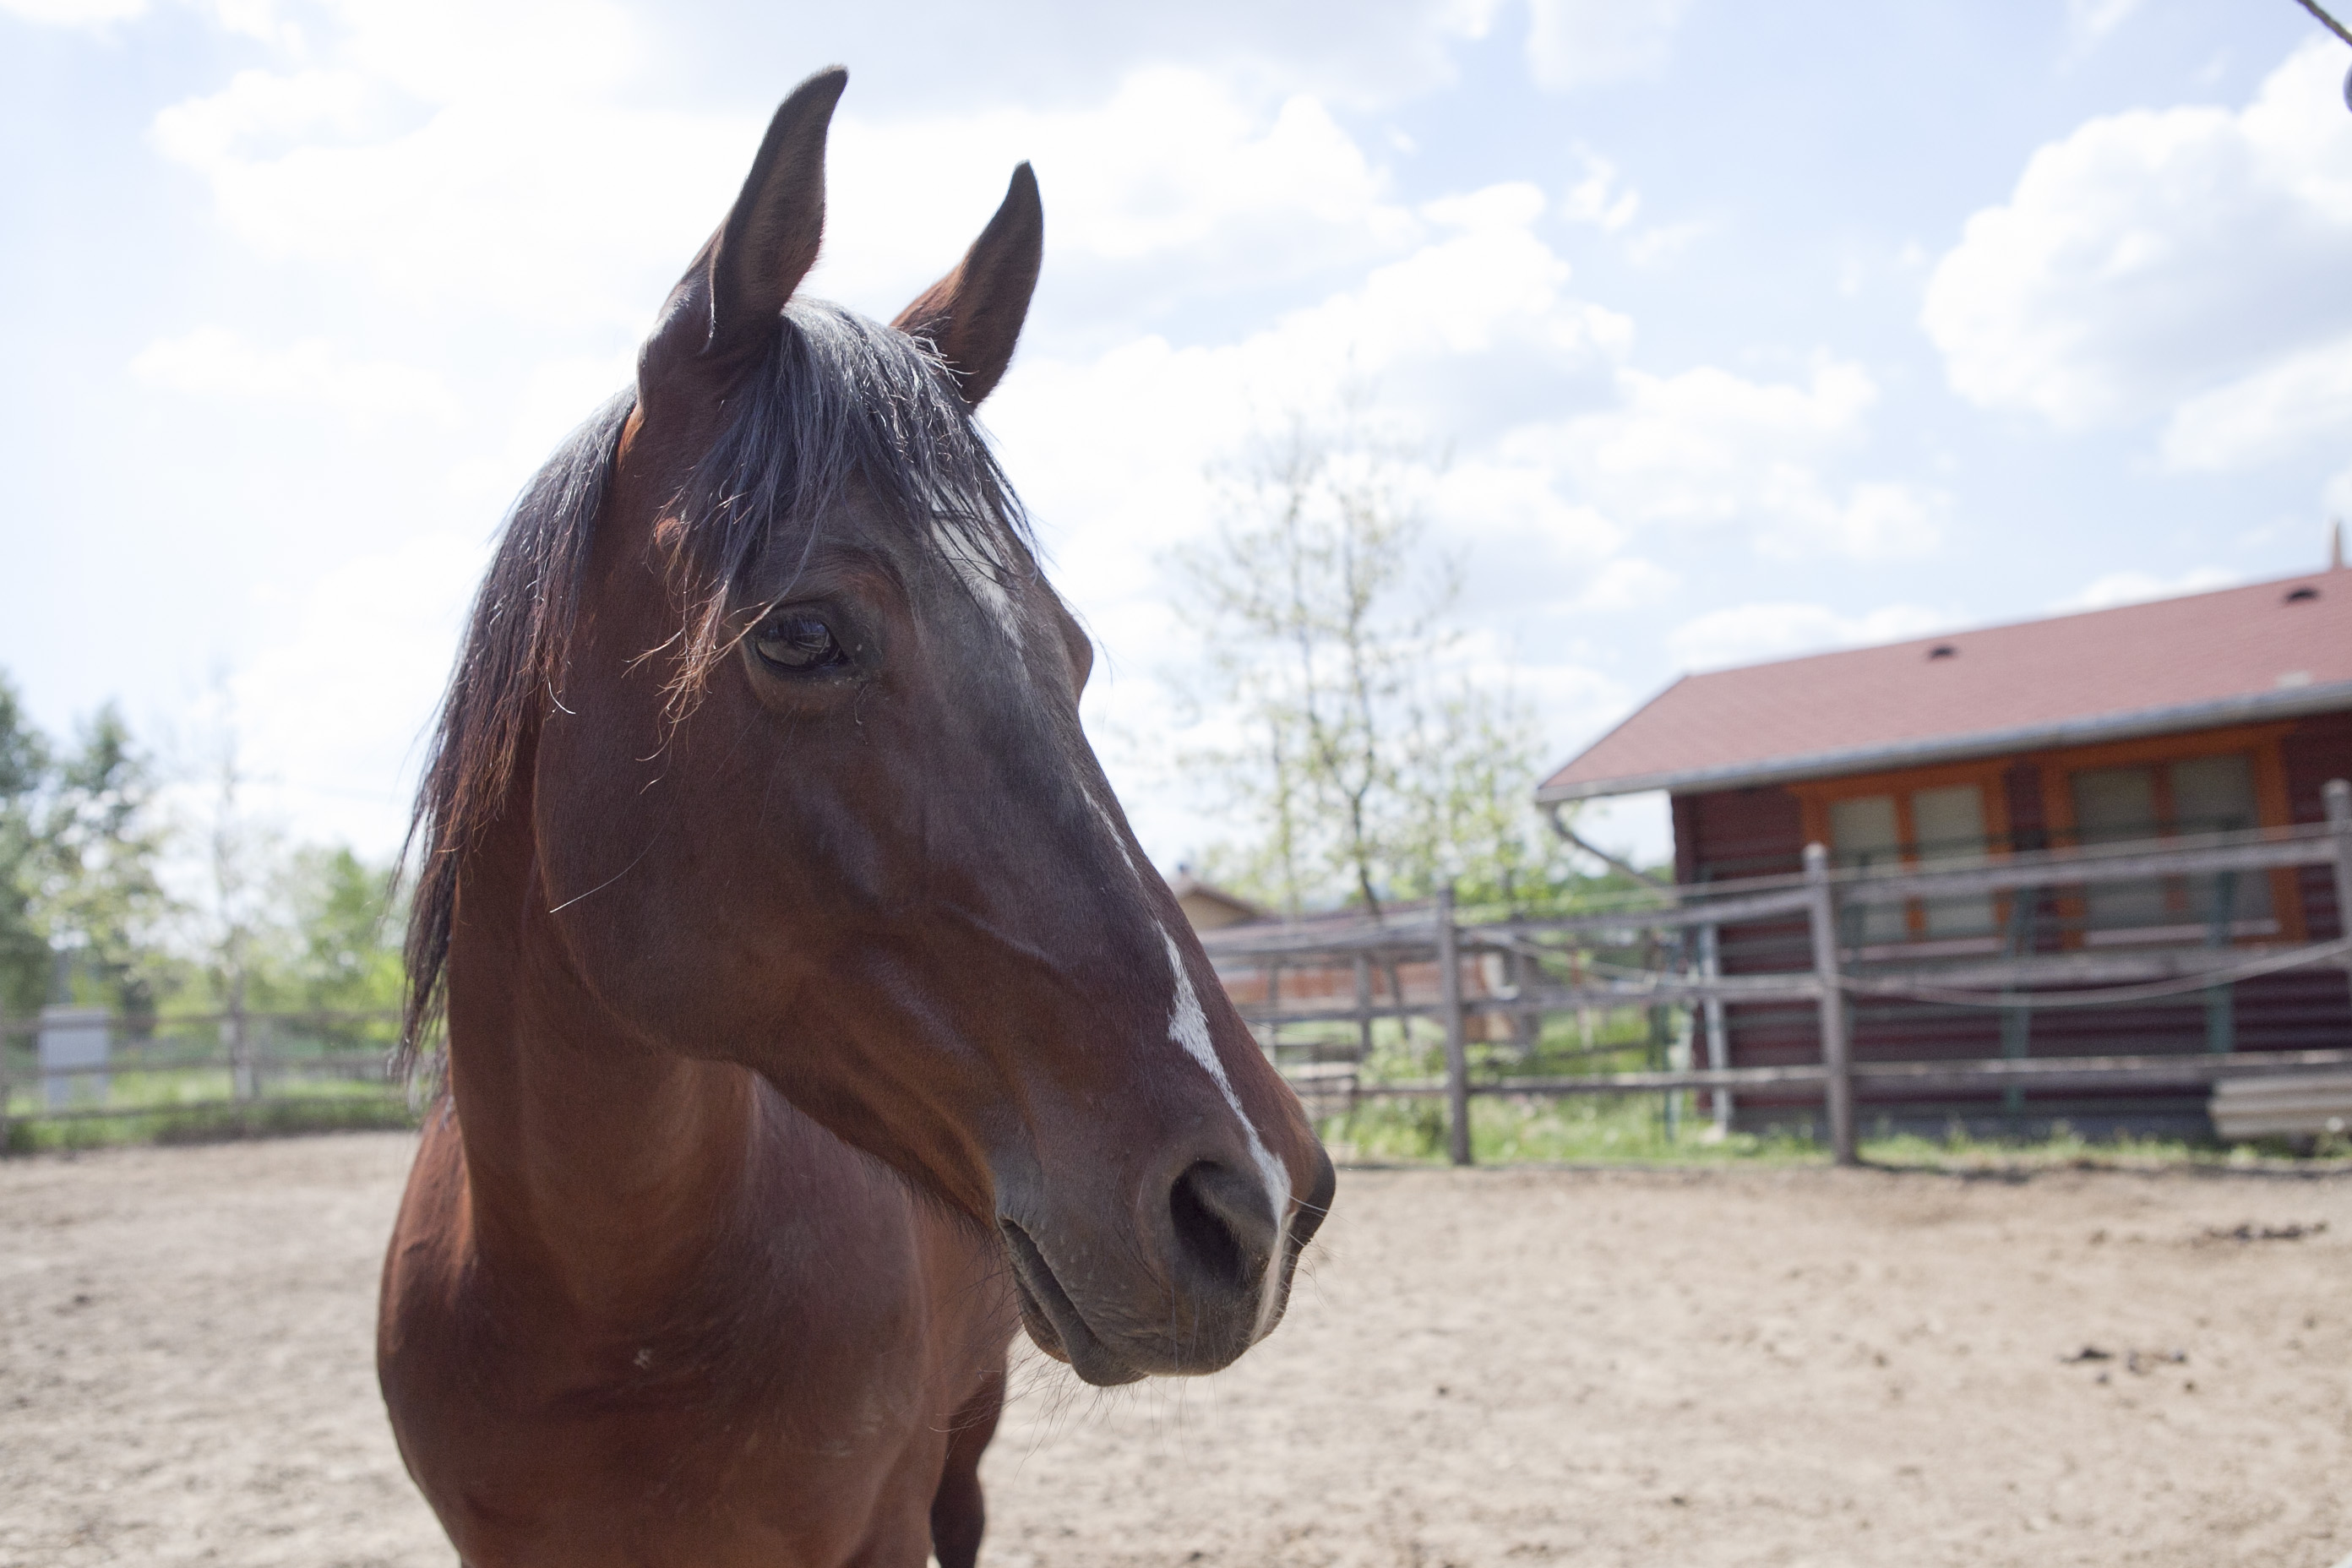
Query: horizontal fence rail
<point>2049,1072</point>
<point>1663,948</point>
<point>1660,950</point>
<point>191,1074</point>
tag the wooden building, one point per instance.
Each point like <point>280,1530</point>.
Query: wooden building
<point>1209,907</point>
<point>2216,713</point>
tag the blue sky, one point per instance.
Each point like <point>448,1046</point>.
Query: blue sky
<point>1747,331</point>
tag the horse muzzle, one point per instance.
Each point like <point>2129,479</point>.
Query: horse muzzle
<point>1202,1276</point>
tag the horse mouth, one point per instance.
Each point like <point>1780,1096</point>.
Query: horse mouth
<point>1054,1321</point>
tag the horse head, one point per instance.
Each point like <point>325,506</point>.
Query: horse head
<point>809,795</point>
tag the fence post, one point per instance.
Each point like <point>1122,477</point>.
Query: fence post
<point>2017,1018</point>
<point>1838,1095</point>
<point>3,1082</point>
<point>2221,1009</point>
<point>1527,1029</point>
<point>242,1088</point>
<point>1678,1046</point>
<point>1457,1060</point>
<point>1363,1008</point>
<point>1273,1041</point>
<point>1718,1053</point>
<point>2337,794</point>
<point>1584,1008</point>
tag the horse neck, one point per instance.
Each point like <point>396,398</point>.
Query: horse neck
<point>599,1168</point>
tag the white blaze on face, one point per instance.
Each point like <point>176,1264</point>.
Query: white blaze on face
<point>981,575</point>
<point>1188,1025</point>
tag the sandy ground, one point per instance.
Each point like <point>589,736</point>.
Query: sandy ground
<point>1797,1367</point>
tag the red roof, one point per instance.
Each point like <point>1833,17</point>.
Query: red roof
<point>2267,650</point>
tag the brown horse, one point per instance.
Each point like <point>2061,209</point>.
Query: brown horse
<point>812,1012</point>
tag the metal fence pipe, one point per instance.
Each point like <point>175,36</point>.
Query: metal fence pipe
<point>1457,1060</point>
<point>2061,867</point>
<point>2337,794</point>
<point>1838,1094</point>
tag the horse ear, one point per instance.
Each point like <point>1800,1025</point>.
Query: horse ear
<point>724,311</point>
<point>973,315</point>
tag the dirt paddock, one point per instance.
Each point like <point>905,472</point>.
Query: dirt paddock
<point>1747,1366</point>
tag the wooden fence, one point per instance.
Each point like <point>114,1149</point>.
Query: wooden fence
<point>192,1073</point>
<point>239,1068</point>
<point>1555,958</point>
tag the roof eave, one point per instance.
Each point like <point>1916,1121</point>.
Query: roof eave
<point>2293,702</point>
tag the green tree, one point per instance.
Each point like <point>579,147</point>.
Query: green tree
<point>24,963</point>
<point>1305,591</point>
<point>343,951</point>
<point>97,893</point>
<point>1474,756</point>
<point>1357,768</point>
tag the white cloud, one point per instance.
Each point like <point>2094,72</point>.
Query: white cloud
<point>1126,434</point>
<point>466,157</point>
<point>448,158</point>
<point>2091,21</point>
<point>1747,633</point>
<point>1574,702</point>
<point>2273,413</point>
<point>214,362</point>
<point>1629,583</point>
<point>333,714</point>
<point>2150,255</point>
<point>2337,494</point>
<point>1517,509</point>
<point>440,51</point>
<point>1580,43</point>
<point>1663,242</point>
<point>73,13</point>
<point>260,107</point>
<point>551,403</point>
<point>1710,448</point>
<point>1514,203</point>
<point>1173,185</point>
<point>2138,587</point>
<point>1872,520</point>
<point>1599,198</point>
<point>933,57</point>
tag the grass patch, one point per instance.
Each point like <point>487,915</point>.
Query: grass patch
<point>2064,1148</point>
<point>172,1091</point>
<point>1633,1131</point>
<point>374,1112</point>
<point>1627,1129</point>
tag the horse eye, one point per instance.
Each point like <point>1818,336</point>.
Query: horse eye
<point>798,643</point>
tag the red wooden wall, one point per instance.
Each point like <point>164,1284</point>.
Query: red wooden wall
<point>1731,833</point>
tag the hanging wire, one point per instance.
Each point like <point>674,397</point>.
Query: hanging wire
<point>2320,956</point>
<point>2336,27</point>
<point>2270,963</point>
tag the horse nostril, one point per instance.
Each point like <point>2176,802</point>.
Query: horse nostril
<point>1224,1229</point>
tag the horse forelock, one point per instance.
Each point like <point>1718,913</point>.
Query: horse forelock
<point>843,400</point>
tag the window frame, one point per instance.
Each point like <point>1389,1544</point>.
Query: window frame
<point>2259,743</point>
<point>1815,796</point>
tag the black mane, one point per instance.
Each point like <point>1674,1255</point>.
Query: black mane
<point>843,399</point>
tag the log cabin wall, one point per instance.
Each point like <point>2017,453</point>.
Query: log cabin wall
<point>1725,836</point>
<point>2315,750</point>
<point>1732,834</point>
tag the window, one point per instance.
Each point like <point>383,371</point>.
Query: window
<point>1941,824</point>
<point>1865,832</point>
<point>2150,801</point>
